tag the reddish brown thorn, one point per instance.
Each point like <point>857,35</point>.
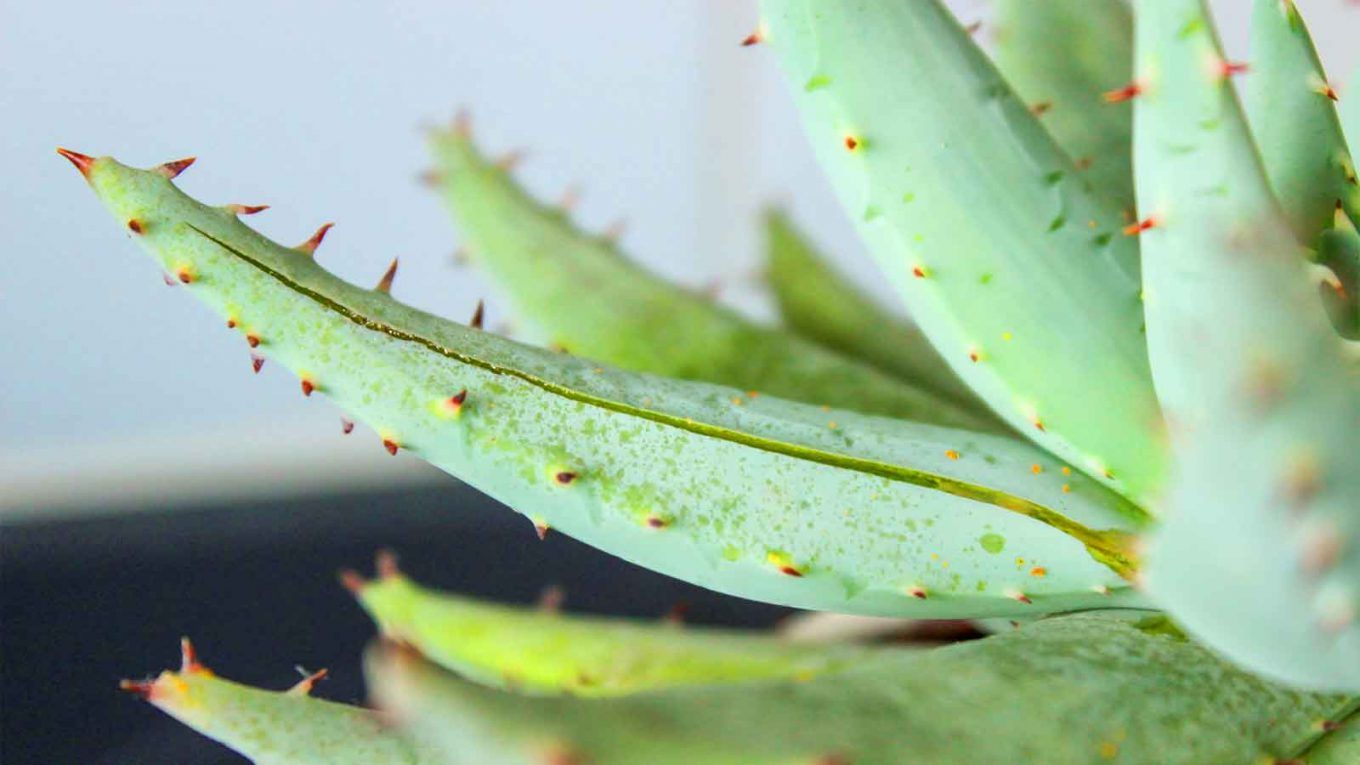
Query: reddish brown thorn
<point>135,226</point>
<point>308,681</point>
<point>790,571</point>
<point>754,38</point>
<point>231,323</point>
<point>918,592</point>
<point>346,426</point>
<point>185,276</point>
<point>462,123</point>
<point>391,446</point>
<point>252,340</point>
<point>851,142</point>
<point>385,283</point>
<point>172,170</point>
<point>541,530</point>
<point>1119,95</point>
<point>142,688</point>
<point>918,272</point>
<point>256,363</point>
<point>236,209</point>
<point>510,160</point>
<point>1327,90</point>
<point>454,404</point>
<point>1327,726</point>
<point>1041,108</point>
<point>677,613</point>
<point>1138,227</point>
<point>565,477</point>
<point>81,161</point>
<point>188,657</point>
<point>551,598</point>
<point>307,387</point>
<point>657,522</point>
<point>973,356</point>
<point>615,231</point>
<point>1232,68</point>
<point>973,28</point>
<point>352,580</point>
<point>168,281</point>
<point>1020,596</point>
<point>385,563</point>
<point>1039,424</point>
<point>478,315</point>
<point>311,244</point>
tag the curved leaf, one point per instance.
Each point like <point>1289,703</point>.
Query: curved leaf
<point>753,496</point>
<point>1257,555</point>
<point>278,727</point>
<point>1295,125</point>
<point>1011,263</point>
<point>595,303</point>
<point>544,652</point>
<point>1070,690</point>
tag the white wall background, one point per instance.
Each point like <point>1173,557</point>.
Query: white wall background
<point>115,391</point>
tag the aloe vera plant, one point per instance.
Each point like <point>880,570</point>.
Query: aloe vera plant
<point>1135,389</point>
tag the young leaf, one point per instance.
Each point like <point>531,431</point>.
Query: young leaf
<point>544,652</point>
<point>755,496</point>
<point>595,303</point>
<point>277,727</point>
<point>1269,403</point>
<point>1095,689</point>
<point>1012,265</point>
<point>819,304</point>
<point>1062,56</point>
<point>1295,124</point>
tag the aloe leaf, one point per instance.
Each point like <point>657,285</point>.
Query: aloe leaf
<point>1095,690</point>
<point>277,727</point>
<point>545,652</point>
<point>591,300</point>
<point>1012,264</point>
<point>1294,121</point>
<point>1257,553</point>
<point>818,303</point>
<point>1198,173</point>
<point>1338,250</point>
<point>1061,56</point>
<point>750,495</point>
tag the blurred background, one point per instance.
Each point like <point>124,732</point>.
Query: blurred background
<point>152,486</point>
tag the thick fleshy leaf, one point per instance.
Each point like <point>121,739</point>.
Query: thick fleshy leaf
<point>1258,553</point>
<point>592,301</point>
<point>541,651</point>
<point>1078,689</point>
<point>750,495</point>
<point>278,727</point>
<point>1338,250</point>
<point>1062,56</point>
<point>1294,122</point>
<point>1011,263</point>
<point>818,303</point>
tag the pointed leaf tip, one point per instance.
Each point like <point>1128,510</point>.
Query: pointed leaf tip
<point>310,245</point>
<point>172,169</point>
<point>81,161</point>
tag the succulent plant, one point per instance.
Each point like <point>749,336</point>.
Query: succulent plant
<point>1135,390</point>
